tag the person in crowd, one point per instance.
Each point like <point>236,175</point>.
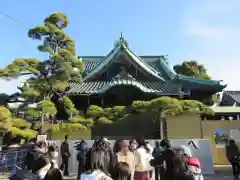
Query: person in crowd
<point>41,166</point>
<point>126,156</point>
<point>142,161</point>
<point>82,150</point>
<point>33,154</point>
<point>233,156</point>
<point>133,145</point>
<point>180,169</point>
<point>168,156</point>
<point>53,154</point>
<point>157,152</point>
<point>193,163</point>
<point>65,154</point>
<point>110,159</point>
<point>53,174</point>
<point>150,157</point>
<point>96,164</point>
<point>117,146</point>
<point>122,171</point>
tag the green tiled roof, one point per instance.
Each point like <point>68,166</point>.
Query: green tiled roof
<point>90,65</point>
<point>96,87</point>
<point>111,57</point>
<point>166,80</point>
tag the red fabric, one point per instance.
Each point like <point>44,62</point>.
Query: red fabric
<point>141,175</point>
<point>194,162</point>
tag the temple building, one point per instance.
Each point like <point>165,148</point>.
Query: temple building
<point>227,107</point>
<point>121,77</point>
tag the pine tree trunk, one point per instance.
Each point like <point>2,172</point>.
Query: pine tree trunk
<point>161,126</point>
<point>42,123</point>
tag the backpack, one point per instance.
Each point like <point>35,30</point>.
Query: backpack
<point>194,168</point>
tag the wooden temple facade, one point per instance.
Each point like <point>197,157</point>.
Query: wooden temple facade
<point>121,77</point>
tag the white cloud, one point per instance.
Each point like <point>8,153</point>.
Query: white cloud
<point>216,41</point>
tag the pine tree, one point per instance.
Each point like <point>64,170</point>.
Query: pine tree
<point>48,78</point>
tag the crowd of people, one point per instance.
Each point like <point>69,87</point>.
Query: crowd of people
<point>125,160</point>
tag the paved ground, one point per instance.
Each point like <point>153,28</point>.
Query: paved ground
<point>220,174</point>
<point>224,173</point>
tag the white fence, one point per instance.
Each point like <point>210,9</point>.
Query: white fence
<point>201,148</point>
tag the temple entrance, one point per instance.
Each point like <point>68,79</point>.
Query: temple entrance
<point>123,95</point>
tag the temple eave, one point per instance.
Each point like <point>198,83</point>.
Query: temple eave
<point>99,87</point>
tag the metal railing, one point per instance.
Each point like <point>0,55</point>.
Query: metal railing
<point>11,161</point>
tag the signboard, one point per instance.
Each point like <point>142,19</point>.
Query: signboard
<point>193,143</point>
<point>221,138</point>
<point>41,138</point>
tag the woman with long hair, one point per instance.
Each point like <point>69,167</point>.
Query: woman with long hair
<point>98,161</point>
<point>142,161</point>
<point>122,171</point>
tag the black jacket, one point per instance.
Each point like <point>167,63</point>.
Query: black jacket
<point>32,156</point>
<point>20,175</point>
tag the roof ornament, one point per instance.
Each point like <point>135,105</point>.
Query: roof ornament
<point>165,58</point>
<point>121,41</point>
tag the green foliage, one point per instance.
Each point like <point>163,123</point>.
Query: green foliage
<point>9,123</point>
<point>77,126</point>
<point>94,111</point>
<point>69,106</point>
<point>82,120</point>
<point>196,70</point>
<point>171,105</point>
<point>47,107</point>
<point>5,118</point>
<point>193,69</point>
<point>107,112</point>
<point>68,127</point>
<point>32,112</point>
<point>118,112</point>
<point>48,77</point>
<point>20,123</point>
<point>27,133</point>
<point>104,120</point>
<point>141,106</point>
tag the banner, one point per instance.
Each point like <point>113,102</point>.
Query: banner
<point>221,138</point>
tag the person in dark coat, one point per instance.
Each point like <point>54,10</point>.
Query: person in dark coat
<point>40,149</point>
<point>41,167</point>
<point>65,154</point>
<point>233,156</point>
<point>157,152</point>
<point>81,156</point>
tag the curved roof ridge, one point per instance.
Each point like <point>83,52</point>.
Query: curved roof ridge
<point>144,62</point>
<point>114,52</point>
<point>203,81</point>
<point>166,69</point>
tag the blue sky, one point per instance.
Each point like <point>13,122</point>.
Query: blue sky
<point>202,30</point>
